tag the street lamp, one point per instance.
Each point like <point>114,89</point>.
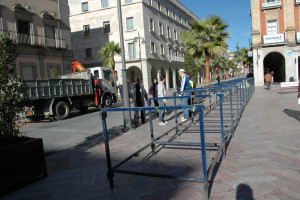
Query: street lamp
<point>126,104</point>
<point>140,40</point>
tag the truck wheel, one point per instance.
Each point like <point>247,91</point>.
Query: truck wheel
<point>107,101</point>
<point>83,109</point>
<point>62,110</point>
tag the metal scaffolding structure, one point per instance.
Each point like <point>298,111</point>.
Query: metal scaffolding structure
<point>216,111</point>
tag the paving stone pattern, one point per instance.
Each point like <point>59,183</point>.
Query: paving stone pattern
<point>262,161</point>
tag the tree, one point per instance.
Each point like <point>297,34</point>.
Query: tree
<point>200,62</point>
<point>190,65</point>
<point>108,53</point>
<point>11,90</point>
<point>206,37</point>
<point>243,53</point>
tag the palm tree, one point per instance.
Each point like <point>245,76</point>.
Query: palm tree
<point>206,37</point>
<point>200,62</point>
<point>108,53</point>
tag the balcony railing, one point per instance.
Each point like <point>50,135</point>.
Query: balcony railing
<point>274,4</point>
<point>35,40</point>
<point>176,58</point>
<point>274,39</point>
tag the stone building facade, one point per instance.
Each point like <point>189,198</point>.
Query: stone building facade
<point>275,39</point>
<point>42,32</point>
<point>152,28</point>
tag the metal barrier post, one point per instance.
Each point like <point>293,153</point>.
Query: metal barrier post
<point>176,118</point>
<point>231,113</point>
<point>110,173</point>
<point>151,132</point>
<point>237,101</point>
<point>203,152</point>
<point>222,124</point>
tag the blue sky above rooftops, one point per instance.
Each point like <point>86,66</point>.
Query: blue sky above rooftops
<point>233,12</point>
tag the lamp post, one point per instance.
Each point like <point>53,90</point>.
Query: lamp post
<point>140,39</point>
<point>237,52</point>
<point>126,104</point>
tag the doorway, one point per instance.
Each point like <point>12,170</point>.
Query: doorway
<point>275,62</point>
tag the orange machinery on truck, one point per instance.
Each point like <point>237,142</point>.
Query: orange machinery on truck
<point>55,98</point>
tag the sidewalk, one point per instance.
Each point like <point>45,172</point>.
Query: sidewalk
<point>264,155</point>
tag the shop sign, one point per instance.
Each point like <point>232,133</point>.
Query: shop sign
<point>273,39</point>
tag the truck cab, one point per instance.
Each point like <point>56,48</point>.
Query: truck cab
<point>107,86</point>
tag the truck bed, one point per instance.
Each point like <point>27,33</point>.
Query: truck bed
<point>43,89</point>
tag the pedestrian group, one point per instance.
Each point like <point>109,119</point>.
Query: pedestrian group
<point>139,95</point>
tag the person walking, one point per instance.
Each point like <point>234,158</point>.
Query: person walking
<point>139,95</point>
<point>161,89</point>
<point>268,79</point>
<point>192,84</point>
<point>183,89</point>
<point>153,92</point>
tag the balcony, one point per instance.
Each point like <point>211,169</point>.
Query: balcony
<point>271,5</point>
<point>274,39</point>
<point>176,58</point>
<point>35,40</point>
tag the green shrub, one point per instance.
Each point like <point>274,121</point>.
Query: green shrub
<point>11,90</point>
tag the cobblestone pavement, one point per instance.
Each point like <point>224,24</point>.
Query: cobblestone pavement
<point>262,161</point>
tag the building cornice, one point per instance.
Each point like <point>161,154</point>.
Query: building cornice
<point>184,9</point>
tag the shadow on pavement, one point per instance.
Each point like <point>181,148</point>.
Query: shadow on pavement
<point>244,191</point>
<point>292,113</point>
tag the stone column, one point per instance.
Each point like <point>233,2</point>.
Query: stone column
<point>158,74</point>
<point>167,79</point>
<point>174,77</point>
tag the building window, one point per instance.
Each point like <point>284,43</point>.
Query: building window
<point>106,26</point>
<point>150,2</point>
<point>268,1</point>
<point>27,72</point>
<point>170,52</point>
<point>104,3</point>
<point>23,27</point>
<point>85,6</point>
<point>169,32</point>
<point>179,20</point>
<point>132,50</point>
<point>174,16</point>
<point>161,28</point>
<point>86,31</point>
<point>153,47</point>
<point>175,35</point>
<point>151,25</point>
<point>272,27</point>
<point>129,23</point>
<point>88,53</point>
<point>158,6</point>
<point>167,12</point>
<point>162,49</point>
<point>128,1</point>
<point>50,36</point>
<point>53,71</point>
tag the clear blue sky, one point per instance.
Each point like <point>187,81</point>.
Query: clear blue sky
<point>233,12</point>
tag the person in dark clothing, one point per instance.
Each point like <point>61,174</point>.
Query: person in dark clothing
<point>120,87</point>
<point>192,84</point>
<point>139,95</point>
<point>153,91</point>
